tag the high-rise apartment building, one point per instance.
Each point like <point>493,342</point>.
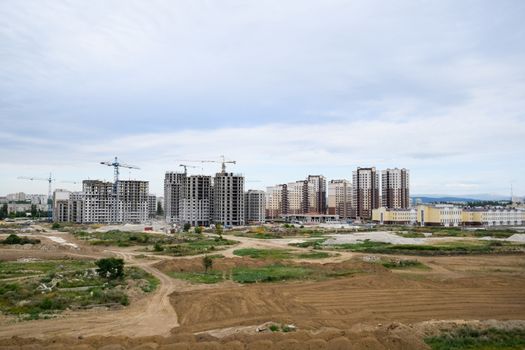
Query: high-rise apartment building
<point>174,183</point>
<point>395,188</point>
<point>228,199</point>
<point>297,196</point>
<point>365,192</point>
<point>340,198</point>
<point>254,206</point>
<point>196,201</point>
<point>99,203</point>
<point>276,201</point>
<point>315,190</point>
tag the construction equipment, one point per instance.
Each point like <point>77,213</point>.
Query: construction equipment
<point>116,166</point>
<point>50,179</point>
<point>223,162</point>
<point>188,166</point>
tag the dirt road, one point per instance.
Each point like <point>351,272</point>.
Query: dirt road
<point>152,315</point>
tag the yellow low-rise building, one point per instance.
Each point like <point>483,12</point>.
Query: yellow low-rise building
<point>394,216</point>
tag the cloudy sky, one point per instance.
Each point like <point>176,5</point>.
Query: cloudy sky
<point>285,88</point>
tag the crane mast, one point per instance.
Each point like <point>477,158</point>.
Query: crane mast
<point>116,172</point>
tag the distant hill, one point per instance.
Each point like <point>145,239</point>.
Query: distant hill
<point>429,198</point>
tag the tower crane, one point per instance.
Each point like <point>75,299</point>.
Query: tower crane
<point>188,166</point>
<point>116,166</point>
<point>223,162</point>
<point>50,179</point>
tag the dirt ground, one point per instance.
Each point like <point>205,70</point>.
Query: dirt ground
<point>376,309</point>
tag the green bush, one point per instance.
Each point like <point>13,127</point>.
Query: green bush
<point>468,338</point>
<point>110,268</point>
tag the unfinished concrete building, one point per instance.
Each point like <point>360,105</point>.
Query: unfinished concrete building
<point>228,199</point>
<point>152,206</point>
<point>174,183</point>
<point>61,205</point>
<point>254,207</point>
<point>196,201</point>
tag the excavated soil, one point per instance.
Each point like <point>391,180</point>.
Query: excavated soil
<point>373,309</point>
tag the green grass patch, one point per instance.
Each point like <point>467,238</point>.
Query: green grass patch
<point>199,277</point>
<point>197,244</point>
<point>264,253</point>
<point>11,269</point>
<point>68,284</point>
<point>404,264</point>
<point>471,339</point>
<point>150,282</point>
<point>445,248</point>
<point>314,255</point>
<point>14,239</point>
<point>271,273</point>
<point>279,254</point>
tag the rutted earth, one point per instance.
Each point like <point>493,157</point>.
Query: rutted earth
<point>377,309</point>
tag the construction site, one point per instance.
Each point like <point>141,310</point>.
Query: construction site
<point>268,287</point>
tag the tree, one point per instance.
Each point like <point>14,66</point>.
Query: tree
<point>111,268</point>
<point>207,262</point>
<point>186,227</point>
<point>160,211</point>
<point>218,230</point>
<point>198,230</point>
<point>3,212</point>
<point>34,212</point>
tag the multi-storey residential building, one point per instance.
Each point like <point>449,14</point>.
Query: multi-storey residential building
<point>315,190</point>
<point>365,192</point>
<point>297,196</point>
<point>61,205</point>
<point>395,188</point>
<point>174,183</point>
<point>99,202</point>
<point>340,198</point>
<point>254,206</point>
<point>394,216</point>
<point>196,201</point>
<point>276,201</point>
<point>228,199</point>
<point>152,205</point>
<point>76,207</point>
<point>133,201</point>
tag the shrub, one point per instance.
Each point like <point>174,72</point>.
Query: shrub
<point>111,268</point>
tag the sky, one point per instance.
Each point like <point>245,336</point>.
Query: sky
<point>284,88</point>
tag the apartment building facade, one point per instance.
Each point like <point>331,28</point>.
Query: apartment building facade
<point>228,199</point>
<point>254,206</point>
<point>276,201</point>
<point>365,192</point>
<point>395,192</point>
<point>340,198</point>
<point>196,201</point>
<point>174,183</point>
